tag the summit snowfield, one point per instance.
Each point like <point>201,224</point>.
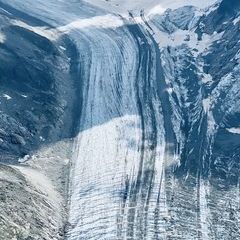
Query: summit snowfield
<point>137,135</point>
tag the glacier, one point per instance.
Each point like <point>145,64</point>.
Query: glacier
<point>144,119</point>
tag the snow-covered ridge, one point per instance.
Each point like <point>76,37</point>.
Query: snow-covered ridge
<point>150,7</point>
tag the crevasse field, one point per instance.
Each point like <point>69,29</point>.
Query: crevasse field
<point>119,120</point>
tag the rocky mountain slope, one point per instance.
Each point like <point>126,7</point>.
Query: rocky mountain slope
<point>128,111</point>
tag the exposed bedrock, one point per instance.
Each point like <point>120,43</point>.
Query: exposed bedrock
<point>38,91</point>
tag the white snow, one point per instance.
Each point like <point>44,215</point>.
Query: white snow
<point>179,37</point>
<point>42,138</point>
<point>2,37</point>
<point>158,9</point>
<point>24,159</point>
<point>62,48</point>
<point>7,96</point>
<point>154,6</point>
<point>204,211</point>
<point>206,104</point>
<point>5,11</point>
<point>237,57</point>
<point>170,90</point>
<point>51,34</point>
<point>234,130</point>
<point>105,21</point>
<point>174,4</point>
<point>236,20</point>
<point>212,126</point>
<point>207,78</point>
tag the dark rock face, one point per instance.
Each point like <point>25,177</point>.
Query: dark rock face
<point>218,19</point>
<point>206,183</point>
<point>222,62</point>
<point>35,87</point>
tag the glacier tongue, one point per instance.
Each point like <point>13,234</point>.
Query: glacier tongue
<point>157,101</point>
<point>118,167</point>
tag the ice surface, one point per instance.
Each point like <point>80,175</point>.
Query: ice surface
<point>147,113</point>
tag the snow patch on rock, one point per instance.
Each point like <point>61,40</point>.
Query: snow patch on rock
<point>234,130</point>
<point>2,37</point>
